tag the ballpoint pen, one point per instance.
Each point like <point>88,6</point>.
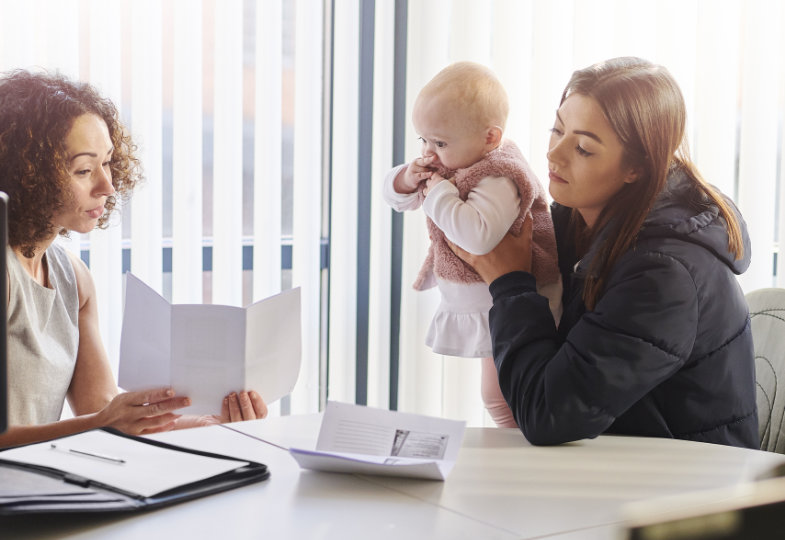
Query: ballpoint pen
<point>90,454</point>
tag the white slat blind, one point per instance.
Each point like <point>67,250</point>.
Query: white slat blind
<point>187,153</point>
<point>267,154</point>
<point>715,50</point>
<point>716,82</point>
<point>186,58</point>
<point>420,370</point>
<point>147,126</point>
<point>307,211</point>
<point>460,384</point>
<point>106,245</point>
<point>553,44</point>
<point>680,56</point>
<point>758,133</point>
<point>381,224</point>
<point>228,154</point>
<point>267,150</point>
<point>594,36</point>
<point>343,229</point>
<point>473,22</point>
<point>153,57</point>
<point>511,26</point>
<point>61,49</point>
<point>18,44</point>
<point>780,270</point>
<point>62,54</point>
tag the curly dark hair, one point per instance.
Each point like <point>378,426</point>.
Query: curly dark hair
<point>37,110</point>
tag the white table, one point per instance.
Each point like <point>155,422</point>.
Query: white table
<point>500,488</point>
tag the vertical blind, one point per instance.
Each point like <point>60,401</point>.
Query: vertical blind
<point>728,57</point>
<point>247,115</point>
<point>192,79</point>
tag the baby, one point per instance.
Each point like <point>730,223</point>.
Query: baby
<point>474,187</point>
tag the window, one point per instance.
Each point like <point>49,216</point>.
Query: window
<point>266,128</point>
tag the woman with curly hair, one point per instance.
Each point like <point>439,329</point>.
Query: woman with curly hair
<point>65,162</point>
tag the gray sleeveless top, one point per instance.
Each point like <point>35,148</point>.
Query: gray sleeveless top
<point>43,338</point>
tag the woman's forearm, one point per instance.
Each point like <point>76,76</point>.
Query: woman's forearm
<point>16,435</point>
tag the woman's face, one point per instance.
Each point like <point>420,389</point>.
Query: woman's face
<point>89,150</point>
<point>585,158</point>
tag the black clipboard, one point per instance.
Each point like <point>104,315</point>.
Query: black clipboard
<point>32,489</point>
<point>3,314</point>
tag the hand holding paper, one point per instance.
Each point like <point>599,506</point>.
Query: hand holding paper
<point>236,407</point>
<point>140,413</point>
<point>205,351</point>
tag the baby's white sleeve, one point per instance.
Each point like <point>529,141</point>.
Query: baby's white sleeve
<point>399,201</point>
<point>480,222</point>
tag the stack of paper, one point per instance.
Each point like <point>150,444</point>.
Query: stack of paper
<point>365,440</point>
<point>125,464</point>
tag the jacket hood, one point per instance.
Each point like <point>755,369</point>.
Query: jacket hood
<point>673,217</point>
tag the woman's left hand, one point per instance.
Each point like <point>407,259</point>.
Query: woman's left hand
<point>511,254</point>
<point>243,406</point>
<point>236,407</point>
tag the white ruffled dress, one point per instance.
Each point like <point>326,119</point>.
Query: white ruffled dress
<point>460,325</point>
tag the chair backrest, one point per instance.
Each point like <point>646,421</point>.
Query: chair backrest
<point>767,317</point>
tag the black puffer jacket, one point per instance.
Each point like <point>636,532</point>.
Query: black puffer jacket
<point>667,351</point>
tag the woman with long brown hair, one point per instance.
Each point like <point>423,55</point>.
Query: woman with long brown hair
<point>654,339</point>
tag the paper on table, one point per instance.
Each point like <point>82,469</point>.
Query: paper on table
<point>208,351</point>
<point>146,469</point>
<point>366,440</point>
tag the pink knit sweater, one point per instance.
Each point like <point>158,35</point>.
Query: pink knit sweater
<point>506,161</point>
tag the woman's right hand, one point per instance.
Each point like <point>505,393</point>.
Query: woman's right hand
<point>143,412</point>
<point>513,253</point>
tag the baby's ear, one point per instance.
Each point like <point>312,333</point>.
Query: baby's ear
<point>493,137</point>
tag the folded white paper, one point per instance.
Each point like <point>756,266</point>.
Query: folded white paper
<point>207,351</point>
<point>365,440</point>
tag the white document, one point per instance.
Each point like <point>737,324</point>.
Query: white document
<point>365,440</point>
<point>207,351</point>
<point>125,464</point>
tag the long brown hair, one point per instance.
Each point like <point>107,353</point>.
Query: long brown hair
<point>644,106</point>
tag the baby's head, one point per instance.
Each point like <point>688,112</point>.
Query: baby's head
<point>460,115</point>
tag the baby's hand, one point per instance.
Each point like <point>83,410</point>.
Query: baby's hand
<point>432,181</point>
<point>410,178</point>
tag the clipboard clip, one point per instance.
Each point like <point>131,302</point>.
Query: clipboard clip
<point>76,480</point>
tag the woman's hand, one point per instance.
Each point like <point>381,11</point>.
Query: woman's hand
<point>236,407</point>
<point>139,413</point>
<point>241,406</point>
<point>513,253</point>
